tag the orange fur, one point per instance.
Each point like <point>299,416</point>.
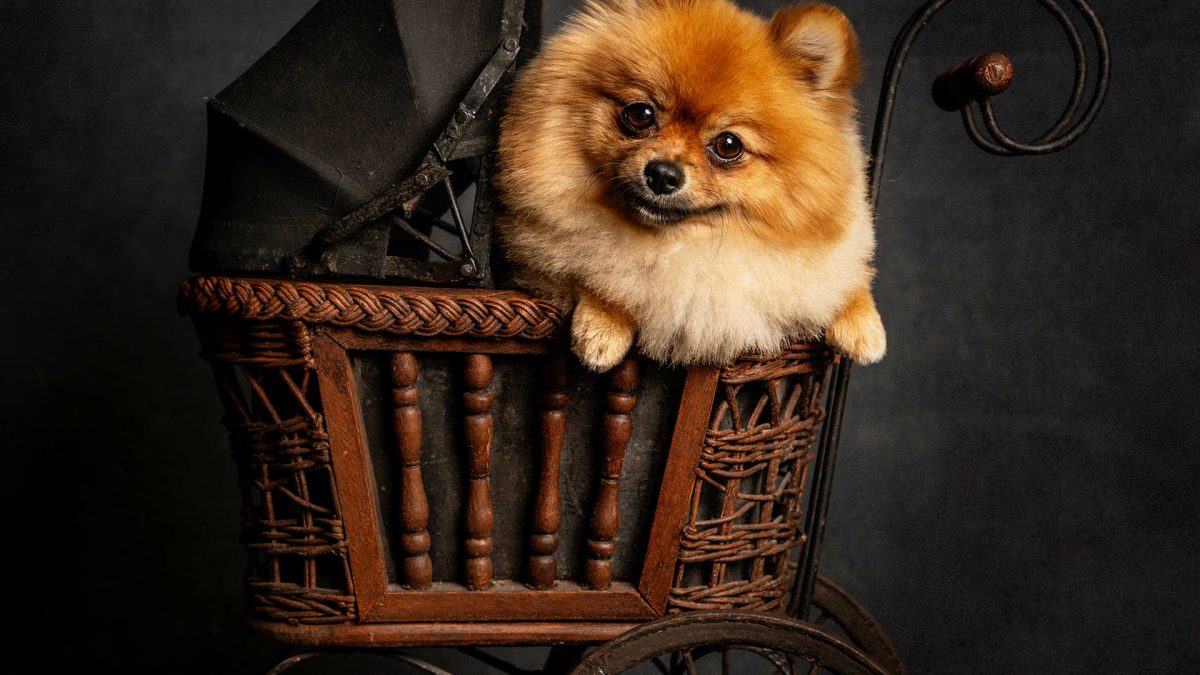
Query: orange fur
<point>774,244</point>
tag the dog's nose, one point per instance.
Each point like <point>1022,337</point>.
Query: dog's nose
<point>663,177</point>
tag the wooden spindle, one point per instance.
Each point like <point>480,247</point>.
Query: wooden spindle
<point>414,508</point>
<point>477,401</point>
<point>543,543</point>
<point>618,426</point>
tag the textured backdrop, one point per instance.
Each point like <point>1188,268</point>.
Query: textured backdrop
<point>1017,485</point>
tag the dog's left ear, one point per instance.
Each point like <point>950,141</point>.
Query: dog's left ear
<point>821,45</point>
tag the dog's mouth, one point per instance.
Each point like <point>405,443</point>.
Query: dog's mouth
<point>655,213</point>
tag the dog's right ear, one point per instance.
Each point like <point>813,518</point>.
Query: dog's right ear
<point>821,45</point>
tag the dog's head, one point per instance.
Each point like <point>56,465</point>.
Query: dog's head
<point>667,112</point>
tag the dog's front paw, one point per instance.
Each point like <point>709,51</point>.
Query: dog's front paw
<point>600,335</point>
<point>858,330</point>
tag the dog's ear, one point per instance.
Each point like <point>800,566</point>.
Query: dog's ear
<point>821,45</point>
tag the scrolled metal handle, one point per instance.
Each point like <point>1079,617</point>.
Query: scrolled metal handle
<point>977,80</point>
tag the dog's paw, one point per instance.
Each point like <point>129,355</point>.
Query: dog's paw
<point>599,337</point>
<point>858,331</point>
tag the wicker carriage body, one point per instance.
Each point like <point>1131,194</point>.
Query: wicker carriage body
<point>431,467</point>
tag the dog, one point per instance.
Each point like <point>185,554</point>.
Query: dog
<point>688,175</point>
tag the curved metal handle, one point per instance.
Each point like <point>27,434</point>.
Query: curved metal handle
<point>979,79</point>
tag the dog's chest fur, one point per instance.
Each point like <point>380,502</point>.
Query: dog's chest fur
<point>697,292</point>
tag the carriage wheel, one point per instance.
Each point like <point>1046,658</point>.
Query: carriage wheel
<point>832,607</point>
<point>731,640</point>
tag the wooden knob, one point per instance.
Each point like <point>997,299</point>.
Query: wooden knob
<point>975,79</point>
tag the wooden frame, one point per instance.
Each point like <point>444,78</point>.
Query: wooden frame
<point>482,600</point>
<point>480,634</point>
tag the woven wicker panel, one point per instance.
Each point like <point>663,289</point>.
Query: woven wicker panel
<point>298,571</point>
<point>747,504</point>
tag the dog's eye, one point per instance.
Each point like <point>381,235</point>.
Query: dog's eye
<point>727,147</point>
<point>637,117</point>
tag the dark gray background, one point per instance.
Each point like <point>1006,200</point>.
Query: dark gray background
<point>1017,486</point>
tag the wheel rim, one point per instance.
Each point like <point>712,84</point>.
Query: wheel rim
<point>832,604</point>
<point>674,644</point>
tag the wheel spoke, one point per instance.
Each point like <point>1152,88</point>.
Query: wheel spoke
<point>688,662</point>
<point>782,661</point>
<point>419,664</point>
<point>289,662</point>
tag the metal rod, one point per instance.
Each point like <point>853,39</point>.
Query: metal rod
<point>429,243</point>
<point>822,481</point>
<point>470,266</point>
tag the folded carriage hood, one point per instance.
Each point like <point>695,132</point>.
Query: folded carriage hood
<point>343,107</point>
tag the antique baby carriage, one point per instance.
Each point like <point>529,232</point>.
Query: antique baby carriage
<point>422,461</point>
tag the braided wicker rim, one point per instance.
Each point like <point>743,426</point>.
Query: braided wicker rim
<point>401,311</point>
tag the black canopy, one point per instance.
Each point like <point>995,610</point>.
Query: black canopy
<point>337,152</point>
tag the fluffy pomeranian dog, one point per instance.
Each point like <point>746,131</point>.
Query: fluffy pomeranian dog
<point>688,175</point>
